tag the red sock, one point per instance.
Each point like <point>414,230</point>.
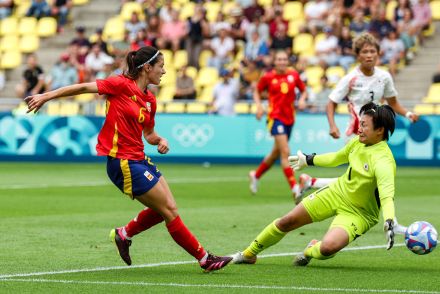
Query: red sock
<point>312,182</point>
<point>262,168</point>
<point>290,176</point>
<point>145,220</point>
<point>185,238</point>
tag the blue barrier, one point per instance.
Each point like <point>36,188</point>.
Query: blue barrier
<point>203,138</point>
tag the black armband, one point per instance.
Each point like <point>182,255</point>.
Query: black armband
<point>309,159</point>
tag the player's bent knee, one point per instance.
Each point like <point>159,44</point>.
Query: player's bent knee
<point>329,248</point>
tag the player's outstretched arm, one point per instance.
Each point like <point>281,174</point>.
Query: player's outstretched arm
<point>398,108</point>
<point>35,102</point>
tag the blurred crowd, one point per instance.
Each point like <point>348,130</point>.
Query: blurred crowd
<point>241,43</point>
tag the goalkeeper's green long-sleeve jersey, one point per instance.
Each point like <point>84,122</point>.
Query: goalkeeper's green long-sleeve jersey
<point>368,183</point>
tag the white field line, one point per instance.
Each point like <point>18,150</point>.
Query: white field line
<point>225,286</point>
<point>108,183</point>
<point>110,268</point>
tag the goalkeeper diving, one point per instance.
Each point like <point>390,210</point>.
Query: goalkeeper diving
<point>354,199</point>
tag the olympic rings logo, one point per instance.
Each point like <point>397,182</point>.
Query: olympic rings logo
<point>193,134</point>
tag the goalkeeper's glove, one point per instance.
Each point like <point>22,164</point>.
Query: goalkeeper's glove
<point>301,160</point>
<point>388,228</point>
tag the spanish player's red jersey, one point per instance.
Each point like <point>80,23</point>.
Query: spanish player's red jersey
<point>129,112</point>
<point>281,90</point>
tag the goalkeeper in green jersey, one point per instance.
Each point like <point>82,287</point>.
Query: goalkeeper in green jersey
<point>354,199</point>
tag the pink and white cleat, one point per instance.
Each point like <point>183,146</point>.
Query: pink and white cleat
<point>213,263</point>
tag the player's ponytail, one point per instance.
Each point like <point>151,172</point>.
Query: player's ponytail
<point>137,59</point>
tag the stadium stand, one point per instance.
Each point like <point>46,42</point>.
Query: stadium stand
<point>302,20</point>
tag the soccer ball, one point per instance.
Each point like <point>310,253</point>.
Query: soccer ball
<point>421,237</point>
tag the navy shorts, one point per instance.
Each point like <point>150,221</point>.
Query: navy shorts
<point>276,127</point>
<point>133,177</point>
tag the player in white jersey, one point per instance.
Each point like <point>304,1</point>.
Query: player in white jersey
<point>365,83</point>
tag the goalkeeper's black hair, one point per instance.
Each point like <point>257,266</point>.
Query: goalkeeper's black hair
<point>383,117</point>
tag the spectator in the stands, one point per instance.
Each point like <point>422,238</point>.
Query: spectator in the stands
<point>326,49</point>
<point>122,47</point>
<point>61,9</point>
<point>140,41</point>
<point>393,51</point>
<point>134,25</point>
<point>222,47</point>
<point>256,50</point>
<point>345,50</point>
<point>184,85</point>
<point>81,39</point>
<point>399,11</point>
<point>254,9</point>
<point>153,30</point>
<point>165,11</point>
<point>96,60</point>
<point>315,14</point>
<point>358,25</point>
<point>174,32</point>
<point>407,29</point>
<point>281,41</point>
<point>278,24</point>
<point>423,18</point>
<point>225,94</point>
<point>63,73</point>
<point>379,25</point>
<point>249,76</point>
<point>260,26</point>
<point>151,8</point>
<point>239,24</point>
<point>219,23</point>
<point>38,9</point>
<point>6,8</point>
<point>33,81</point>
<point>198,29</point>
<point>99,39</point>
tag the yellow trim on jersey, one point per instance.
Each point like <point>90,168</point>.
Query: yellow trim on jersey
<point>127,177</point>
<point>270,124</point>
<point>114,149</point>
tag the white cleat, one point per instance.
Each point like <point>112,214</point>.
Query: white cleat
<point>239,258</point>
<point>301,259</point>
<point>253,182</point>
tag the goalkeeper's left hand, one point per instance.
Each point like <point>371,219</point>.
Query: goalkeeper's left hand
<point>388,228</point>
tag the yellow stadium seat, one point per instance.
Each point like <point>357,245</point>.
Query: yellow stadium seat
<point>47,26</point>
<point>192,72</point>
<point>166,93</point>
<point>228,6</point>
<point>9,43</point>
<point>169,78</point>
<point>342,109</point>
<point>207,76</point>
<point>334,73</point>
<point>203,58</point>
<point>433,94</point>
<point>390,10</point>
<point>207,94</point>
<point>27,26</point>
<point>187,10</point>
<point>293,10</point>
<point>319,37</point>
<point>114,29</point>
<point>53,108</point>
<point>29,43</point>
<point>294,26</point>
<point>180,58</point>
<point>254,108</point>
<point>80,2</point>
<point>437,109</point>
<point>9,26</point>
<point>167,58</point>
<point>303,43</point>
<point>22,8</point>
<point>129,7</point>
<point>175,107</point>
<point>86,97</point>
<point>196,107</point>
<point>182,2</point>
<point>314,75</point>
<point>68,108</point>
<point>212,10</point>
<point>424,108</point>
<point>435,9</point>
<point>160,108</point>
<point>430,31</point>
<point>242,107</point>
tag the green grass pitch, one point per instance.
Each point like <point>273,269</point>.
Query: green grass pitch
<point>55,220</point>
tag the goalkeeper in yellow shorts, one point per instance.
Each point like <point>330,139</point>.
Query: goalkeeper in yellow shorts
<point>354,199</point>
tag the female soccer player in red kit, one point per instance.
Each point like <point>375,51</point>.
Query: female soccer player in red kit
<point>280,83</point>
<point>131,110</point>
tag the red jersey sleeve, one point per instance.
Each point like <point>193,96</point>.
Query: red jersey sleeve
<point>110,86</point>
<point>299,83</point>
<point>263,83</point>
